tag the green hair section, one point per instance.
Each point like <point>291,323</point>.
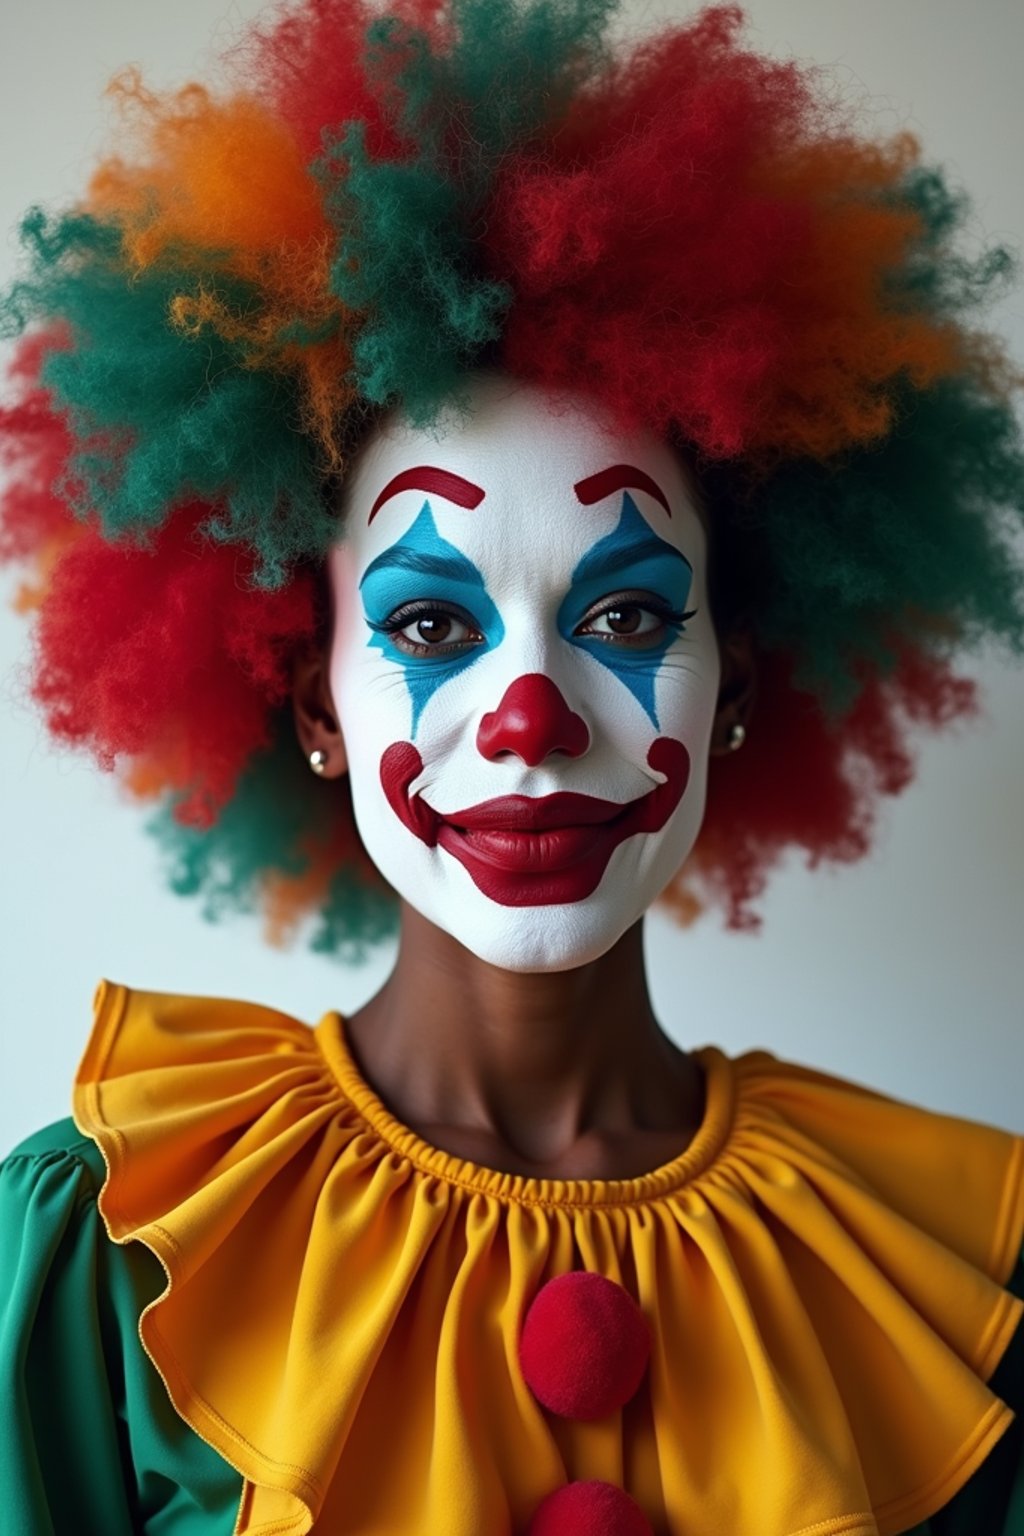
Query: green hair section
<point>410,228</point>
<point>277,811</point>
<point>909,539</point>
<point>859,554</point>
<point>160,417</point>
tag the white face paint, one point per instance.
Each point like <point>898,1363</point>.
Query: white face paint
<point>527,718</point>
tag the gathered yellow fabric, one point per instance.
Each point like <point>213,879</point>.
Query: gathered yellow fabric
<point>822,1272</point>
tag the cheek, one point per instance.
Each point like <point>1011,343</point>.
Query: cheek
<point>673,698</point>
<point>369,701</point>
<point>372,705</point>
<point>687,688</point>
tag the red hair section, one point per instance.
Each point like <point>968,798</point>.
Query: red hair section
<point>799,783</point>
<point>35,446</point>
<point>161,658</point>
<point>705,238</point>
<point>311,64</point>
<point>167,656</point>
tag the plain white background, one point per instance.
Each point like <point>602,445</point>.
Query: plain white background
<point>903,972</point>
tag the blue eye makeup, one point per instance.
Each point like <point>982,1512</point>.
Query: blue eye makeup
<point>456,587</point>
<point>653,575</point>
<point>630,577</point>
<point>424,617</point>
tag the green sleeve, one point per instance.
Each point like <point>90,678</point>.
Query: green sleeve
<point>992,1502</point>
<point>91,1445</point>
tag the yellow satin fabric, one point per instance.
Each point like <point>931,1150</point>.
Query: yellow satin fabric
<point>822,1272</point>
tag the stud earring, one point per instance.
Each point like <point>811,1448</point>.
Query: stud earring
<point>318,760</point>
<point>737,736</point>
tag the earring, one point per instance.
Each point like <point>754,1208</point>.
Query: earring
<point>737,736</point>
<point>318,760</point>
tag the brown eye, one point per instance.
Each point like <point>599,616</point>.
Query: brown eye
<point>623,621</point>
<point>627,621</point>
<point>430,631</point>
<point>433,627</point>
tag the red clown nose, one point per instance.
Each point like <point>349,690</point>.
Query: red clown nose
<point>532,721</point>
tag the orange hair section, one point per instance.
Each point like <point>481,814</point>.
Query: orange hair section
<point>287,900</point>
<point>852,247</point>
<point>223,186</point>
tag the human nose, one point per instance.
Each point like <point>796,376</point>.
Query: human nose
<point>532,720</point>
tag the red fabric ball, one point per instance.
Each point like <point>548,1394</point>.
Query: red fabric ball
<point>584,1346</point>
<point>589,1509</point>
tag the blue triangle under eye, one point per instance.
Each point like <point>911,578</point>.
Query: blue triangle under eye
<point>423,566</point>
<point>632,555</point>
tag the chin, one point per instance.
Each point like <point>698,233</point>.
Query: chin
<point>543,939</point>
<point>551,935</point>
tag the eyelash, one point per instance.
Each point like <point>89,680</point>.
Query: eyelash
<point>402,617</point>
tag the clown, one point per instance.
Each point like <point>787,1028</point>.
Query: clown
<point>516,411</point>
<point>529,669</point>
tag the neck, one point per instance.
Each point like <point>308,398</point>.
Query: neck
<point>540,1065</point>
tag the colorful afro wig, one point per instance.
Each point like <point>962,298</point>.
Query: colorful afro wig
<point>374,203</point>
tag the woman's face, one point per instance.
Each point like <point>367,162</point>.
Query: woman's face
<point>526,710</point>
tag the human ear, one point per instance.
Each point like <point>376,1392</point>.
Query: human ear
<point>316,718</point>
<point>737,687</point>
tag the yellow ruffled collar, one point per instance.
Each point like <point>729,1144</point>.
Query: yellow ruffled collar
<point>822,1272</point>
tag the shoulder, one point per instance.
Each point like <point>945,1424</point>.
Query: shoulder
<point>49,1190</point>
<point>91,1441</point>
<point>112,999</point>
<point>53,1143</point>
<point>959,1180</point>
<point>134,1028</point>
<point>55,1152</point>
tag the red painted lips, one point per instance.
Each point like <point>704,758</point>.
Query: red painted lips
<point>540,851</point>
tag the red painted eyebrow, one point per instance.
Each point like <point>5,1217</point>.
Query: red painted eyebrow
<point>618,478</point>
<point>426,478</point>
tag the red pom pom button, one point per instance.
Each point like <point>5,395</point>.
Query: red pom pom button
<point>589,1509</point>
<point>584,1346</point>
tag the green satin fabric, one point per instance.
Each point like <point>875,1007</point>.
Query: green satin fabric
<point>91,1445</point>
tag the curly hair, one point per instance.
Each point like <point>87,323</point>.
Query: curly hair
<point>370,206</point>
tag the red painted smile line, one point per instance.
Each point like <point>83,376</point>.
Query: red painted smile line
<point>541,851</point>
